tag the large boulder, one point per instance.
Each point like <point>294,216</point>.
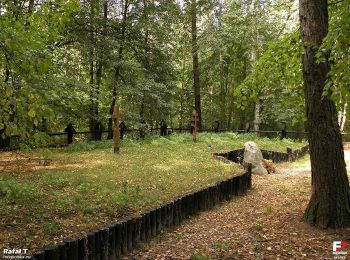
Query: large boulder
<point>253,155</point>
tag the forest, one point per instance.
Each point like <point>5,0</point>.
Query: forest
<point>221,80</point>
<point>72,61</point>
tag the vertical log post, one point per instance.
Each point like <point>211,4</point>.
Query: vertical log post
<point>124,238</point>
<point>143,228</point>
<point>72,249</point>
<point>111,242</point>
<point>137,231</point>
<point>104,238</point>
<point>194,125</point>
<point>118,240</point>
<point>159,220</point>
<point>116,119</point>
<point>82,248</point>
<point>62,251</point>
<point>164,216</point>
<point>130,232</point>
<point>52,253</point>
<point>91,246</point>
<point>153,218</point>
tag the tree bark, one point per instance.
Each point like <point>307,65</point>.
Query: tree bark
<point>30,12</point>
<point>329,203</point>
<point>254,59</point>
<point>257,114</point>
<point>196,82</point>
<point>93,87</point>
<point>117,67</point>
<point>223,92</point>
<point>231,109</point>
<point>342,111</point>
<point>223,79</point>
<point>97,135</point>
<point>146,62</point>
<point>182,94</point>
<point>142,107</point>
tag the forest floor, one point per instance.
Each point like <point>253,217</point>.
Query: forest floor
<point>266,223</point>
<point>51,195</point>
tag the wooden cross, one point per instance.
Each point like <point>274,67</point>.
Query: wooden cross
<point>194,125</point>
<point>116,119</point>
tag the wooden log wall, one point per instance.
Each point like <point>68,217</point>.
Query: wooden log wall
<point>276,157</point>
<point>117,240</point>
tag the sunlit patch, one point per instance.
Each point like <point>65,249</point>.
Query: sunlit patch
<point>162,167</point>
<point>180,162</point>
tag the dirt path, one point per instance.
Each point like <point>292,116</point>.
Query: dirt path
<point>264,224</point>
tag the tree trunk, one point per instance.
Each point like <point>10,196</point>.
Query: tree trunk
<point>97,135</point>
<point>183,85</point>
<point>142,107</point>
<point>342,112</point>
<point>222,93</point>
<point>257,114</point>
<point>146,62</point>
<point>182,100</point>
<point>30,12</point>
<point>329,204</point>
<point>223,79</point>
<point>94,102</point>
<point>93,87</point>
<point>254,58</point>
<point>231,109</point>
<point>117,67</point>
<point>196,82</point>
<point>4,142</point>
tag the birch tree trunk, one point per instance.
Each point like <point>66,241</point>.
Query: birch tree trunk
<point>342,112</point>
<point>254,59</point>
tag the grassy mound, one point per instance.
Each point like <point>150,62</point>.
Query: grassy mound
<point>86,186</point>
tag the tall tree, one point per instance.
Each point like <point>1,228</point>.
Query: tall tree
<point>223,80</point>
<point>93,88</point>
<point>254,58</point>
<point>329,205</point>
<point>196,79</point>
<point>146,7</point>
<point>117,68</point>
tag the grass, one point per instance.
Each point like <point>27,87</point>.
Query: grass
<point>221,246</point>
<point>258,227</point>
<point>197,256</point>
<point>87,186</point>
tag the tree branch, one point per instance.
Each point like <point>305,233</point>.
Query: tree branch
<point>335,3</point>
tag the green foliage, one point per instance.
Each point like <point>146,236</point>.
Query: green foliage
<point>221,246</point>
<point>65,61</point>
<point>87,146</point>
<point>218,140</point>
<point>258,227</point>
<point>337,43</point>
<point>277,71</point>
<point>14,192</point>
<point>27,56</point>
<point>268,209</point>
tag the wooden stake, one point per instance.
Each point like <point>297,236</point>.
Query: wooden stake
<point>194,124</point>
<point>116,119</point>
